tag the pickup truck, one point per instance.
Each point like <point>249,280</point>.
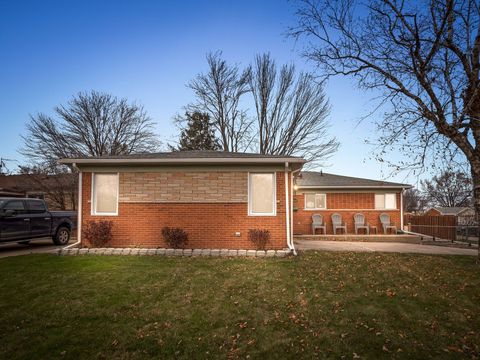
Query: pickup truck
<point>22,220</point>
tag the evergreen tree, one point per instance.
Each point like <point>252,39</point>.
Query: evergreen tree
<point>198,133</point>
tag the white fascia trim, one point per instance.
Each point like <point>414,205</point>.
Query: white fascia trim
<point>185,161</point>
<point>353,187</point>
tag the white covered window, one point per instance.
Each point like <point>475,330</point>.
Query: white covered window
<point>105,194</point>
<point>386,201</point>
<point>315,201</point>
<point>261,194</point>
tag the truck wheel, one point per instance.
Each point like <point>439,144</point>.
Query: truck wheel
<point>62,237</point>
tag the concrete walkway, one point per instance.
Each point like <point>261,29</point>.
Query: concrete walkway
<point>381,247</point>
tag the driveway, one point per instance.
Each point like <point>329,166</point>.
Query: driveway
<point>381,247</point>
<point>35,247</point>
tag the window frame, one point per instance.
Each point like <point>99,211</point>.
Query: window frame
<point>385,201</point>
<point>315,202</point>
<point>93,211</point>
<point>249,194</point>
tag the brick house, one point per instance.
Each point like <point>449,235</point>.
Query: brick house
<point>464,215</point>
<point>216,197</point>
<point>326,194</point>
<point>59,190</point>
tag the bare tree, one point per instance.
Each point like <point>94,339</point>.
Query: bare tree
<point>413,201</point>
<point>91,124</point>
<point>423,59</point>
<point>219,92</point>
<point>291,112</point>
<point>58,186</point>
<point>450,188</point>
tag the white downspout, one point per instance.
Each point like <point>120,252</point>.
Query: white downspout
<point>401,210</point>
<point>287,211</point>
<point>79,210</point>
<point>291,202</point>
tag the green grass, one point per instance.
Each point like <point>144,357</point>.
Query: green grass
<point>314,305</point>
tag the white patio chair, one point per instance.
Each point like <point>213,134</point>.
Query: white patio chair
<point>338,224</point>
<point>386,224</point>
<point>359,220</point>
<point>317,223</point>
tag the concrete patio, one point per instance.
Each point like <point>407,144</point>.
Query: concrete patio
<point>395,247</point>
<point>398,238</point>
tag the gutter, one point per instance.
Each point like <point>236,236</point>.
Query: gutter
<point>184,161</point>
<point>79,213</point>
<point>355,187</point>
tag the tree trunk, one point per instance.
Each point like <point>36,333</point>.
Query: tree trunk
<point>476,200</point>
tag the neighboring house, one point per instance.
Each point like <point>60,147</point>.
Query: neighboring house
<point>19,186</point>
<point>326,194</point>
<point>59,191</point>
<point>217,197</point>
<point>5,192</point>
<point>464,215</point>
<point>450,210</point>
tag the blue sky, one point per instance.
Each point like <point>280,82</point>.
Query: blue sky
<point>147,51</point>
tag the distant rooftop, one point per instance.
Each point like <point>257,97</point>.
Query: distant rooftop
<point>324,180</point>
<point>451,210</point>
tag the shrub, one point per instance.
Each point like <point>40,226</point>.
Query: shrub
<point>259,237</point>
<point>98,233</point>
<point>175,238</point>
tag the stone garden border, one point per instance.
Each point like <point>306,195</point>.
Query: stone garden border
<point>173,252</point>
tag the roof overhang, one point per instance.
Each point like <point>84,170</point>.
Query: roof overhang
<point>8,192</point>
<point>402,186</point>
<point>293,162</point>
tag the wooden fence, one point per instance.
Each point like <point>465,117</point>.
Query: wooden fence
<point>443,226</point>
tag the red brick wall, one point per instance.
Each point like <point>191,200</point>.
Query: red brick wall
<point>432,212</point>
<point>346,204</point>
<point>209,225</point>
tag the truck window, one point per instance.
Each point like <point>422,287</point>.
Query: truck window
<point>36,206</point>
<point>17,205</point>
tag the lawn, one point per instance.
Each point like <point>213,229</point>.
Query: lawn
<point>315,305</point>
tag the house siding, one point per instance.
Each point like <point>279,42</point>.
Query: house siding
<point>347,204</point>
<point>183,187</point>
<point>210,206</point>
